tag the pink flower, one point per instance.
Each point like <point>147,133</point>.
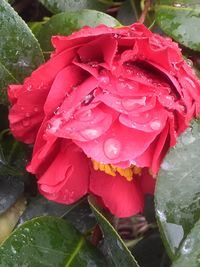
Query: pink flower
<point>108,100</point>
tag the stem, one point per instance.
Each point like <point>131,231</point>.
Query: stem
<point>147,5</point>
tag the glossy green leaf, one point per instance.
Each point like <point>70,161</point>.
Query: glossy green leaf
<point>177,195</point>
<point>20,52</point>
<point>128,12</point>
<point>5,79</point>
<point>114,248</point>
<point>66,23</point>
<point>79,214</point>
<point>189,253</point>
<point>180,20</point>
<point>56,6</point>
<point>48,241</point>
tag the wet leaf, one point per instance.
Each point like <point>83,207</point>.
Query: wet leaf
<point>20,52</point>
<point>189,253</point>
<point>114,248</point>
<point>66,23</point>
<point>180,20</point>
<point>177,195</point>
<point>48,241</point>
<point>10,190</point>
<point>128,12</point>
<point>78,214</point>
<point>56,6</point>
<point>5,79</point>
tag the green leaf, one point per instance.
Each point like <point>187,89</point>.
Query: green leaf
<point>178,190</point>
<point>66,23</point>
<point>114,247</point>
<point>20,52</point>
<point>5,79</point>
<point>180,20</point>
<point>56,6</point>
<point>79,214</point>
<point>48,241</point>
<point>189,253</point>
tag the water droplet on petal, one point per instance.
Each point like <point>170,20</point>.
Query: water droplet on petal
<point>85,116</point>
<point>29,88</point>
<point>27,114</point>
<point>155,125</point>
<point>90,134</point>
<point>53,127</point>
<point>130,104</point>
<point>36,109</point>
<point>56,112</point>
<point>104,79</point>
<point>112,148</point>
<point>26,122</point>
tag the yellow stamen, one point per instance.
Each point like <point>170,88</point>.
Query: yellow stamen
<point>110,169</point>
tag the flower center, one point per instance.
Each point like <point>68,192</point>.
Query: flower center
<point>110,169</point>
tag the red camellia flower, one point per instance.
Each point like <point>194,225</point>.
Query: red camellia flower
<point>103,112</point>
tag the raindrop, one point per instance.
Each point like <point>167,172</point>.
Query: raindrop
<point>104,79</point>
<point>27,114</point>
<point>53,127</point>
<point>88,99</point>
<point>161,216</point>
<point>85,116</point>
<point>26,122</point>
<point>189,62</point>
<point>155,125</point>
<point>90,134</point>
<point>187,248</point>
<point>112,148</point>
<point>56,112</point>
<point>130,104</point>
<point>36,109</point>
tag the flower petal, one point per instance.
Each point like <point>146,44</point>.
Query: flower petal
<point>121,197</point>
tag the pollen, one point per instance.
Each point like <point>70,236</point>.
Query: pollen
<point>112,170</point>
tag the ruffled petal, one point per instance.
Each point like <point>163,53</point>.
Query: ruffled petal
<point>121,197</point>
<point>62,180</point>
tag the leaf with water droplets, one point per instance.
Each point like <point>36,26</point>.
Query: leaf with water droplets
<point>178,190</point>
<point>180,20</point>
<point>114,248</point>
<point>5,79</point>
<point>66,23</point>
<point>79,214</point>
<point>48,241</point>
<point>20,52</point>
<point>56,6</point>
<point>189,252</point>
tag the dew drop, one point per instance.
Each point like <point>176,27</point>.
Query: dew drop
<point>130,104</point>
<point>90,134</point>
<point>36,109</point>
<point>56,112</point>
<point>26,122</point>
<point>112,148</point>
<point>155,125</point>
<point>88,98</point>
<point>29,88</point>
<point>27,114</point>
<point>53,127</point>
<point>104,79</point>
<point>189,62</point>
<point>85,116</point>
